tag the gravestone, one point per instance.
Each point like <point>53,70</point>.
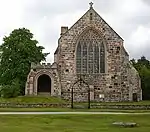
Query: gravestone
<point>125,124</point>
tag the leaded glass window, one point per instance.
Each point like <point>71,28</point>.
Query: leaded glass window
<point>90,59</point>
<point>84,58</point>
<point>96,58</point>
<point>90,54</point>
<point>102,58</point>
<point>78,59</point>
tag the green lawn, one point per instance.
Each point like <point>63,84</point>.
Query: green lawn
<point>49,99</point>
<point>72,123</point>
<point>32,99</point>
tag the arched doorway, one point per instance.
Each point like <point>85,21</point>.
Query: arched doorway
<point>44,84</point>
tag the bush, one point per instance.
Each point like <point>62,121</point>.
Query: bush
<point>10,91</point>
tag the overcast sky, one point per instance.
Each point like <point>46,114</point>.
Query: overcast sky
<point>129,18</point>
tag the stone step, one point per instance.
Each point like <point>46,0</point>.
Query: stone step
<point>44,93</point>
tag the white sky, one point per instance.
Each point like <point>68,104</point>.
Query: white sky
<point>129,18</point>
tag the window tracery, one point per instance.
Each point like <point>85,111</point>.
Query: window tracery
<point>84,58</point>
<point>102,58</point>
<point>90,54</point>
<point>78,58</point>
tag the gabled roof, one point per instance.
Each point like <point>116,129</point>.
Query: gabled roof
<point>90,10</point>
<point>56,51</point>
<point>108,25</point>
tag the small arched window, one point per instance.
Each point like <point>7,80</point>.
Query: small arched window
<point>90,54</point>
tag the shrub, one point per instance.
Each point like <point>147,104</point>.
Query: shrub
<point>10,91</point>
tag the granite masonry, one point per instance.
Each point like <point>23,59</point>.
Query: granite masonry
<point>90,60</point>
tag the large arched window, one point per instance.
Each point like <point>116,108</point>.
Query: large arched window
<point>90,54</point>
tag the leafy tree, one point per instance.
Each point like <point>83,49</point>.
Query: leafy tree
<point>145,82</point>
<point>18,51</point>
<point>143,61</point>
<point>9,91</point>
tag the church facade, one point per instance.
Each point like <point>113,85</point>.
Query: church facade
<point>90,61</point>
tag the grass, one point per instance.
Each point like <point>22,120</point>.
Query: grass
<point>32,99</point>
<point>72,123</point>
<point>50,99</point>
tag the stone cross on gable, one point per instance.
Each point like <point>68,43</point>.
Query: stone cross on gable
<point>91,4</point>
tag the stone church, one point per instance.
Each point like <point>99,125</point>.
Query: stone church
<point>90,61</point>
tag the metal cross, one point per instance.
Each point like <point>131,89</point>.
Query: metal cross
<point>91,4</point>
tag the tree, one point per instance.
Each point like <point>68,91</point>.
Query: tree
<point>18,51</point>
<point>145,82</point>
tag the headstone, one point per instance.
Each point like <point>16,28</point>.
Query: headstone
<point>125,124</point>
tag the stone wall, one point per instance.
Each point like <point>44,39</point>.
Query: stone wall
<point>122,107</point>
<point>114,84</point>
<point>135,82</point>
<point>118,83</point>
<point>54,105</point>
<point>38,70</point>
